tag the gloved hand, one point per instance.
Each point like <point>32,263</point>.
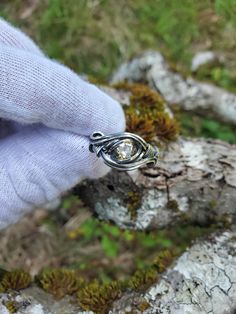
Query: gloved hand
<point>47,113</point>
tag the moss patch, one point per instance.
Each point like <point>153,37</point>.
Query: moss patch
<point>172,205</point>
<point>163,260</point>
<point>143,306</point>
<point>99,297</point>
<point>146,114</point>
<point>59,282</point>
<point>92,295</point>
<point>15,280</point>
<point>12,306</point>
<point>133,202</point>
<point>143,278</point>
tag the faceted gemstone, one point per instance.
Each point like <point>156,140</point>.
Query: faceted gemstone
<point>124,151</point>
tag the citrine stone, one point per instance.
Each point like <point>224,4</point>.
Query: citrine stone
<point>124,151</point>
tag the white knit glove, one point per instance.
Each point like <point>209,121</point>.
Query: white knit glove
<point>44,151</point>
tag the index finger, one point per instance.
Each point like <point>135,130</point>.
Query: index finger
<point>34,89</point>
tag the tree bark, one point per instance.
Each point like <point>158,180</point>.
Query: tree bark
<point>188,93</point>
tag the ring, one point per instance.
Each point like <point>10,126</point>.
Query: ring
<point>123,151</point>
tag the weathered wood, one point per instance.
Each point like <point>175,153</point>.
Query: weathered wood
<point>188,93</point>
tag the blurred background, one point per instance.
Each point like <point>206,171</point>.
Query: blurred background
<point>94,37</point>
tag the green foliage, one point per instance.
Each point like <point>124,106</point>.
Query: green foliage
<point>77,37</point>
<point>114,242</point>
<point>106,234</point>
<point>68,202</point>
<point>198,126</point>
<point>224,78</point>
<point>111,237</point>
<point>173,22</point>
<point>227,9</point>
<point>109,246</point>
<point>154,239</point>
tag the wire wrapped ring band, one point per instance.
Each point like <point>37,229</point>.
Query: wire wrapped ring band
<point>123,151</point>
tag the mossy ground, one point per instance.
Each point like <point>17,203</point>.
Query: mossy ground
<point>94,37</point>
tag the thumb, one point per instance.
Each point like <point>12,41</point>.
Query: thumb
<point>37,164</point>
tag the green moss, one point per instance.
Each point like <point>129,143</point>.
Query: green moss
<point>136,123</point>
<point>60,282</point>
<point>133,202</point>
<point>143,95</point>
<point>212,204</point>
<point>98,297</point>
<point>12,306</point>
<point>145,115</point>
<point>163,260</point>
<point>226,220</point>
<point>172,205</point>
<point>143,278</point>
<point>15,280</point>
<point>143,306</point>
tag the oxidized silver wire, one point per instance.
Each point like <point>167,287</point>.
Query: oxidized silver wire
<point>110,148</point>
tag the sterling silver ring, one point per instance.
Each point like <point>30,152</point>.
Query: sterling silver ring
<point>123,151</point>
